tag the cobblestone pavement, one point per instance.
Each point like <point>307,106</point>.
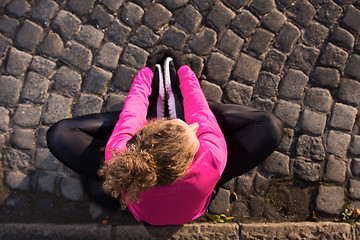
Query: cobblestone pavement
<point>298,59</point>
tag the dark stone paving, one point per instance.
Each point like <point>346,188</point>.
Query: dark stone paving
<point>298,59</point>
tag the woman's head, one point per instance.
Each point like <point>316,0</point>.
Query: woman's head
<point>158,154</point>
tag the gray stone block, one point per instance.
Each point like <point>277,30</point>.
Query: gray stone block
<point>244,186</point>
<point>240,209</point>
<point>329,13</point>
<point>262,6</point>
<point>52,45</point>
<point>42,65</point>
<point>274,20</point>
<point>220,16</point>
<point>17,62</point>
<point>66,23</point>
<point>131,13</point>
<point>286,140</point>
<point>334,56</point>
<point>108,56</point>
<point>237,3</point>
<point>315,34</point>
<point>90,36</point>
<point>262,104</point>
<point>219,68</point>
<point>80,7</point>
<point>287,37</point>
<point>71,189</point>
<point>4,46</point>
<point>326,77</point>
<point>113,5</point>
<point>238,93</point>
<point>231,43</point>
<point>302,12</point>
<point>118,32</point>
<point>175,4</point>
<point>203,42</point>
<point>196,63</point>
<point>189,18</point>
<point>354,189</point>
<point>330,199</point>
<point>221,202</point>
<point>304,58</point>
<point>78,56</point>
<point>343,117</point>
<point>352,67</point>
<point>310,147</point>
<point>18,181</point>
<point>318,99</point>
<point>351,19</point>
<point>144,37</point>
<point>134,56</point>
<point>27,115</point>
<point>46,183</point>
<point>342,38</point>
<point>23,138</point>
<point>4,119</point>
<point>355,145</point>
<point>306,171</point>
<point>349,91</point>
<point>124,77</point>
<point>293,84</point>
<point>257,206</point>
<point>96,210</point>
<point>267,85</point>
<point>277,164</point>
<point>337,143</point>
<point>204,5</point>
<point>44,10</point>
<point>335,170</point>
<point>115,102</point>
<point>8,25</point>
<point>288,112</point>
<point>157,16</point>
<point>87,104</point>
<point>35,88</point>
<point>2,141</point>
<point>174,38</point>
<point>274,61</point>
<point>245,23</point>
<point>10,90</point>
<point>18,7</point>
<point>355,167</point>
<point>260,40</point>
<point>44,160</point>
<point>247,68</point>
<point>16,159</point>
<point>67,82</point>
<point>100,17</point>
<point>41,137</point>
<point>3,3</point>
<point>261,184</point>
<point>142,3</point>
<point>58,108</point>
<point>212,91</point>
<point>312,122</point>
<point>97,80</point>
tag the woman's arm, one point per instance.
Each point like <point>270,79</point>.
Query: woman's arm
<point>133,115</point>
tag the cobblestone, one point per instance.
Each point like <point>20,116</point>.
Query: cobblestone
<point>17,160</point>
<point>288,112</point>
<point>343,117</point>
<point>44,160</point>
<point>10,90</point>
<point>189,18</point>
<point>231,43</point>
<point>330,199</point>
<point>355,167</point>
<point>195,62</point>
<point>17,181</point>
<point>354,189</point>
<point>42,65</point>
<point>58,108</point>
<point>144,37</point>
<point>342,38</point>
<point>134,56</point>
<point>274,61</point>
<point>286,140</point>
<point>267,85</point>
<point>44,10</point>
<point>245,23</point>
<point>4,46</point>
<point>203,41</point>
<point>108,56</point>
<point>304,58</point>
<point>220,204</point>
<point>46,183</point>
<point>273,21</point>
<point>335,170</point>
<point>238,93</point>
<point>90,36</point>
<point>78,56</point>
<point>4,120</point>
<point>318,99</point>
<point>219,68</point>
<point>23,138</point>
<point>293,84</point>
<point>174,38</point>
<point>87,104</point>
<point>277,164</point>
<point>302,12</point>
<point>124,77</point>
<point>262,6</point>
<point>326,77</point>
<point>306,171</point>
<point>66,24</point>
<point>8,24</point>
<point>204,5</point>
<point>337,143</point>
<point>52,45</point>
<point>263,104</point>
<point>175,4</point>
<point>27,115</point>
<point>18,7</point>
<point>351,19</point>
<point>261,186</point>
<point>17,62</point>
<point>80,7</point>
<point>257,205</point>
<point>315,34</point>
<point>131,13</point>
<point>329,13</point>
<point>97,80</point>
<point>349,91</point>
<point>100,17</point>
<point>142,3</point>
<point>287,37</point>
<point>67,82</point>
<point>220,16</point>
<point>334,56</point>
<point>260,41</point>
<point>115,102</point>
<point>35,88</point>
<point>113,5</point>
<point>247,68</point>
<point>41,137</point>
<point>212,91</point>
<point>352,67</point>
<point>310,147</point>
<point>355,146</point>
<point>71,189</point>
<point>157,16</point>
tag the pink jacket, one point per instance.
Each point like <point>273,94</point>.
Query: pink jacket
<point>187,198</point>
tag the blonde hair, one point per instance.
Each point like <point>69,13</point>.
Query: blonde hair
<point>157,155</point>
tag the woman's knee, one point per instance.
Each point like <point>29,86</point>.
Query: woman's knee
<point>274,126</point>
<point>56,133</point>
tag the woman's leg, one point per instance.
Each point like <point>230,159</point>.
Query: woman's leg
<point>251,136</point>
<point>78,142</point>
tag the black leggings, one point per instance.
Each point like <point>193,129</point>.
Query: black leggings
<point>251,136</point>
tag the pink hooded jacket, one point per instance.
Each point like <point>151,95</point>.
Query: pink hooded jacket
<point>187,198</point>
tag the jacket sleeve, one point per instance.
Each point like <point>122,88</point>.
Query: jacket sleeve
<point>196,109</point>
<point>133,115</point>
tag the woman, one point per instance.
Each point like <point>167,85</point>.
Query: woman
<point>165,170</point>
